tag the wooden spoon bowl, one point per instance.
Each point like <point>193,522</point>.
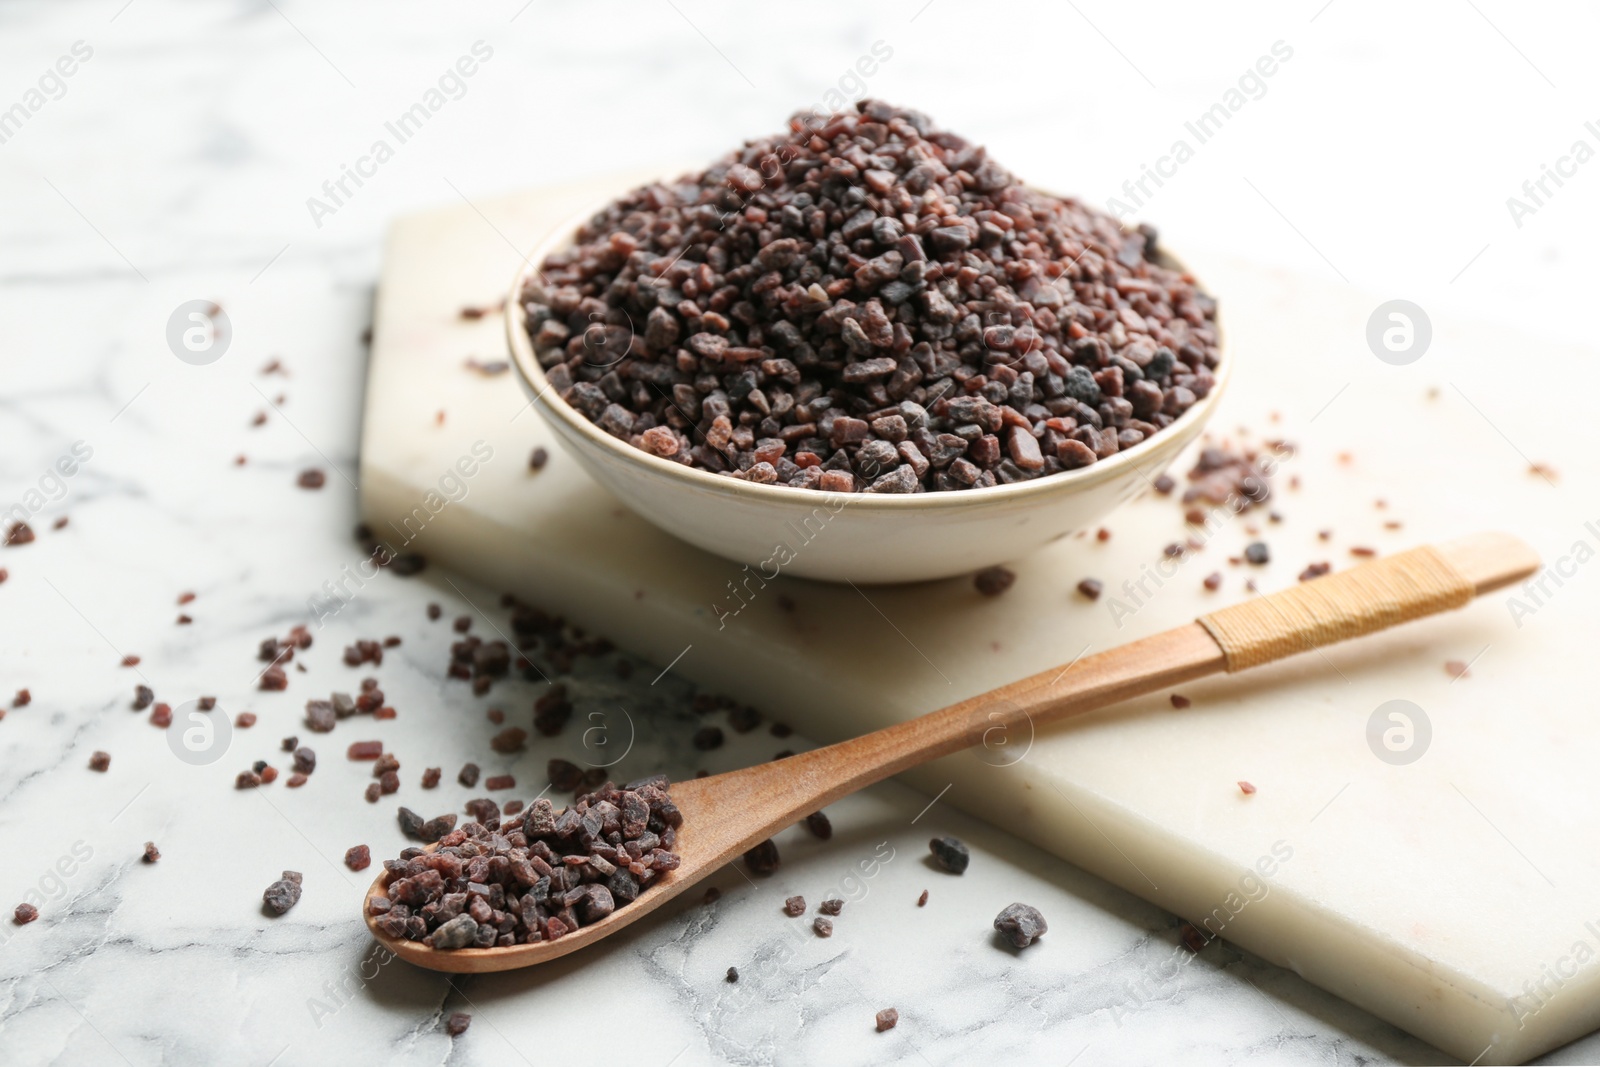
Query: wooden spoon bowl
<point>706,841</point>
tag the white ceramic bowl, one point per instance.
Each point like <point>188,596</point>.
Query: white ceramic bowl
<point>845,537</point>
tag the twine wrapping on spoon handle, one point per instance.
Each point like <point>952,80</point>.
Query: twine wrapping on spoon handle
<point>1337,607</point>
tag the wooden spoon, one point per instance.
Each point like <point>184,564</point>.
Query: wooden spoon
<point>726,815</point>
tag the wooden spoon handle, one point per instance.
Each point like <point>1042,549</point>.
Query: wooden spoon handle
<point>1336,607</point>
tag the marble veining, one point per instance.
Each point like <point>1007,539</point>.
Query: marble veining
<point>175,167</point>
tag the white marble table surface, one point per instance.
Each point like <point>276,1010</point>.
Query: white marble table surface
<point>175,164</point>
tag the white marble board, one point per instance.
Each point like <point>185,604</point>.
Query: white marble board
<point>1450,896</point>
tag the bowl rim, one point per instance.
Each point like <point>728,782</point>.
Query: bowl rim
<point>537,386</point>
